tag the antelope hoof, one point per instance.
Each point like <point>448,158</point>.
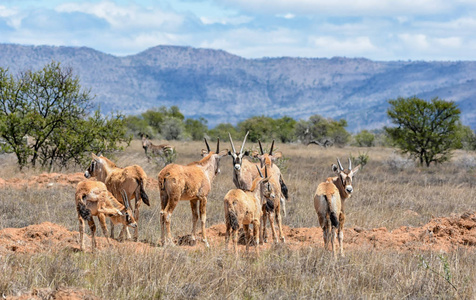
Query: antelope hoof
<point>206,243</point>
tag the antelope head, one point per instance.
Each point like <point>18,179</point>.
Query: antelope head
<point>94,166</point>
<point>238,156</point>
<point>218,155</point>
<point>345,175</point>
<point>267,158</point>
<point>127,212</point>
<point>267,189</point>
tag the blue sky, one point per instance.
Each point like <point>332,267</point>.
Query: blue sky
<point>375,29</point>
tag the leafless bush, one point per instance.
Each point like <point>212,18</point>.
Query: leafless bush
<point>399,163</point>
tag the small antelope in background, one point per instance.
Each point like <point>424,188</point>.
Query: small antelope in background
<point>191,183</point>
<point>130,179</point>
<point>164,151</point>
<point>244,171</point>
<point>273,211</point>
<point>329,201</point>
<point>244,208</point>
<point>93,199</point>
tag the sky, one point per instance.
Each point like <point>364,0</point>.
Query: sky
<point>375,29</point>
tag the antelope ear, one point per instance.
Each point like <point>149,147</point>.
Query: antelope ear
<point>277,155</point>
<point>355,170</point>
<point>255,154</point>
<point>204,152</point>
<point>95,157</point>
<point>335,168</point>
<point>224,152</point>
<point>246,153</point>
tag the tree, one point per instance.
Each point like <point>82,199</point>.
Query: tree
<point>365,138</point>
<point>285,128</point>
<point>42,114</point>
<point>196,128</point>
<point>260,128</point>
<point>428,131</point>
<point>221,131</point>
<point>323,131</point>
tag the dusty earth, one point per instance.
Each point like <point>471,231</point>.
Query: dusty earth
<point>440,234</point>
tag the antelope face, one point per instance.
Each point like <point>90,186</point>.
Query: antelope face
<point>129,219</point>
<point>237,156</point>
<point>237,159</point>
<point>218,154</point>
<point>91,169</point>
<point>267,189</point>
<point>346,175</point>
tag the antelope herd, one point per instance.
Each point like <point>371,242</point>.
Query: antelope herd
<point>255,199</point>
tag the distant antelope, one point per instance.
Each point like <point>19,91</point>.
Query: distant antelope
<point>329,201</point>
<point>268,159</point>
<point>165,151</point>
<point>192,183</point>
<point>132,179</point>
<point>93,199</point>
<point>244,171</point>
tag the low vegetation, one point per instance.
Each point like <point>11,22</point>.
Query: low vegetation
<point>385,194</point>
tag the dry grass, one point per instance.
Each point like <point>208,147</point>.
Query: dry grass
<point>383,197</point>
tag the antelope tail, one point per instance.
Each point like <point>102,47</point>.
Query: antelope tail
<point>269,205</point>
<point>232,218</point>
<point>332,211</point>
<point>143,195</point>
<point>284,188</point>
<point>83,211</point>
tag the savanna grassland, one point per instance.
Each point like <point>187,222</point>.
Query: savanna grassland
<point>388,192</point>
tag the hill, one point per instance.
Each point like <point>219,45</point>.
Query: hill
<point>222,87</point>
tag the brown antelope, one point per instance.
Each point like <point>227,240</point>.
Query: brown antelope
<point>164,151</point>
<point>190,183</point>
<point>271,212</point>
<point>244,208</point>
<point>132,179</point>
<point>244,171</point>
<point>329,201</point>
<point>93,199</point>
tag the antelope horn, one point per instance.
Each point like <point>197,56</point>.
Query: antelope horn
<point>259,171</point>
<point>218,145</point>
<point>272,146</point>
<point>125,199</point>
<point>244,141</point>
<point>231,142</point>
<point>260,147</point>
<point>340,165</point>
<point>350,164</point>
<point>206,143</point>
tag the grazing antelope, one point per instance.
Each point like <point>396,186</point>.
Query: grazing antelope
<point>132,179</point>
<point>244,171</point>
<point>93,199</point>
<point>244,208</point>
<point>329,201</point>
<point>273,211</point>
<point>164,151</point>
<point>190,183</point>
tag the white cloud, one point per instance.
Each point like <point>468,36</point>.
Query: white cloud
<point>125,17</point>
<point>345,7</point>
<point>239,20</point>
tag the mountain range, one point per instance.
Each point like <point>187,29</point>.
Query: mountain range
<point>225,88</point>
